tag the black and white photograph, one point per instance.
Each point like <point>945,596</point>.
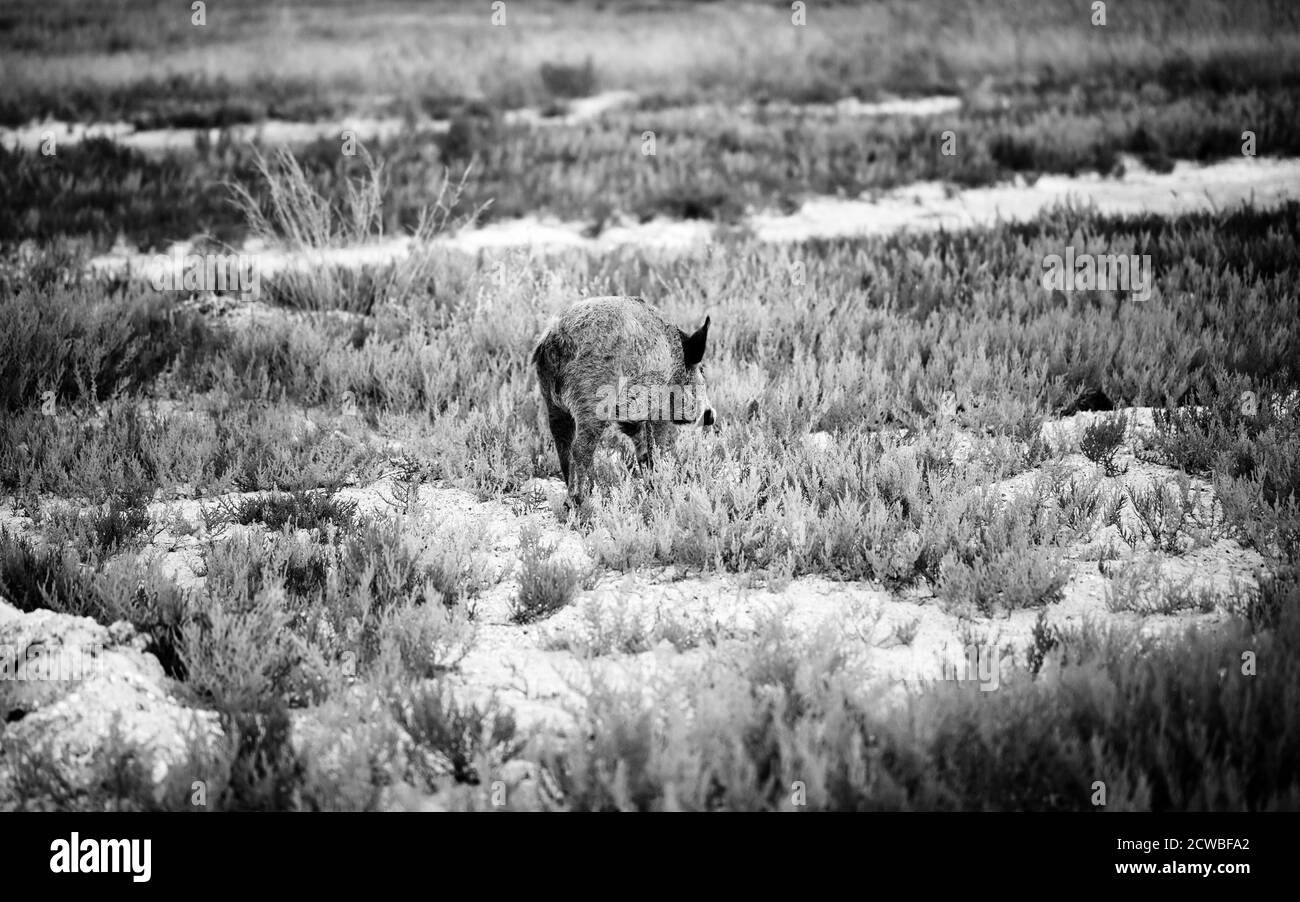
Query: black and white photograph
<point>504,406</point>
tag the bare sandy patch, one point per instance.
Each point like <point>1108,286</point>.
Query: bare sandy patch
<point>929,206</point>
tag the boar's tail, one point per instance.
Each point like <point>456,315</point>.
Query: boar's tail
<point>544,356</point>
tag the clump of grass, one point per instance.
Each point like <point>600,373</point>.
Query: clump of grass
<point>424,640</point>
<point>373,598</point>
<point>65,341</point>
<point>469,136</point>
<point>1278,596</point>
<point>546,583</point>
<point>253,766</point>
<point>126,450</point>
<point>1195,439</point>
<point>1081,504</point>
<point>1010,581</point>
<point>1006,558</point>
<point>612,626</point>
<point>1102,439</point>
<point>492,460</point>
<point>353,750</point>
<point>740,731</point>
<point>242,566</point>
<point>33,577</point>
<point>905,632</point>
<point>443,568</point>
<point>1140,586</point>
<point>463,741</point>
<point>1165,511</point>
<point>296,510</point>
<point>119,524</point>
<point>302,219</point>
<point>1043,640</point>
<point>101,530</point>
<point>244,657</point>
<point>260,770</point>
<point>565,80</point>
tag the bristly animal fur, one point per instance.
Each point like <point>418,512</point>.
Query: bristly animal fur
<point>600,352</point>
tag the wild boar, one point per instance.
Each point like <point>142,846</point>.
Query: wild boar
<point>616,361</point>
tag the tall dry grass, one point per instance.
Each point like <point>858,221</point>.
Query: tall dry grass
<point>300,221</point>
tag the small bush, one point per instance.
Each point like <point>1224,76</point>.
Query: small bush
<point>263,772</point>
<point>1006,557</point>
<point>1140,586</point>
<point>102,530</point>
<point>1165,511</point>
<point>246,658</point>
<point>464,740</point>
<point>426,640</point>
<point>374,597</point>
<point>612,626</point>
<point>1081,504</point>
<point>297,510</point>
<point>34,578</point>
<point>545,584</point>
<point>1102,439</point>
<point>1043,640</point>
<point>565,80</point>
<point>905,631</point>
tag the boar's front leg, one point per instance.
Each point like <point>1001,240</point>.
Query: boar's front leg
<point>581,454</point>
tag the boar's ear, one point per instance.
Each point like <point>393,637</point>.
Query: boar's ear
<point>693,345</point>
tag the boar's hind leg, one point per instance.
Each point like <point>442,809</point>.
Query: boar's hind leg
<point>562,432</point>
